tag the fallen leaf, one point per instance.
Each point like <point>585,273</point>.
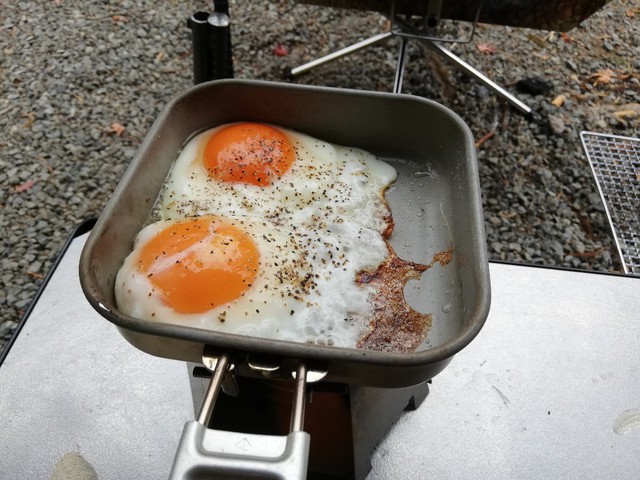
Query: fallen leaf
<point>31,117</point>
<point>485,137</point>
<point>160,56</point>
<point>24,186</point>
<point>542,56</point>
<point>119,19</point>
<point>506,215</point>
<point>280,50</point>
<point>536,39</point>
<point>184,55</point>
<point>559,100</point>
<point>602,76</point>
<point>487,48</point>
<point>116,129</point>
<point>631,12</point>
<point>580,96</point>
<point>625,114</point>
<point>45,163</point>
<point>588,254</point>
<point>631,106</point>
<point>565,36</point>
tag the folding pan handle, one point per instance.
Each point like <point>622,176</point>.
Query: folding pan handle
<point>207,453</point>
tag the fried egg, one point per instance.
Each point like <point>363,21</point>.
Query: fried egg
<point>279,175</point>
<point>251,277</point>
<point>268,232</point>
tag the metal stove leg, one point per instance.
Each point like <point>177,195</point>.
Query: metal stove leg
<point>435,46</point>
<point>465,67</point>
<point>340,53</point>
<point>402,53</point>
<point>461,64</point>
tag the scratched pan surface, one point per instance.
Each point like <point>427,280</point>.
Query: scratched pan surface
<point>435,204</point>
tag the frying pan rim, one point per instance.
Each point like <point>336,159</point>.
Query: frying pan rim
<point>314,352</point>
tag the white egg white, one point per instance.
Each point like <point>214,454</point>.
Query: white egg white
<point>326,182</point>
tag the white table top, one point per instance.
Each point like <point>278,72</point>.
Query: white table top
<point>549,389</point>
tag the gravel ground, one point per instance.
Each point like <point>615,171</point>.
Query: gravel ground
<point>82,82</point>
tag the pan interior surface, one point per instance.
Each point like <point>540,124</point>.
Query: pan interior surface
<point>420,200</point>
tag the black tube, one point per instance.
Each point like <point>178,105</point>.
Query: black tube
<point>220,45</point>
<point>211,38</point>
<point>202,66</point>
<point>221,6</point>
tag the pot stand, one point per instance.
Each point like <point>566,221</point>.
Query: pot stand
<point>426,35</point>
<point>345,422</point>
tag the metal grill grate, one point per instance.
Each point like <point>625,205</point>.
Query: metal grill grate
<point>615,162</point>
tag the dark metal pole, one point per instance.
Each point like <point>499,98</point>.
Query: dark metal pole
<point>201,52</point>
<point>220,45</point>
<point>221,6</point>
<point>211,39</point>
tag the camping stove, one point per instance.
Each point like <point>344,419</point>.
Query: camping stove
<point>346,422</point>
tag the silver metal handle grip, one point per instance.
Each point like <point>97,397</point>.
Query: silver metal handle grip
<point>208,453</point>
<point>205,453</point>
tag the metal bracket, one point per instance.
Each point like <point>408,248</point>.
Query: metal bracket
<point>431,21</point>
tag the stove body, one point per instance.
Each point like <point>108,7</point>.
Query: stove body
<point>346,422</point>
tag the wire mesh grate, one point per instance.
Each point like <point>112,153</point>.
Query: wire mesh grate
<point>615,162</point>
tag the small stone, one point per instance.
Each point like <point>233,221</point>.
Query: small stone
<point>572,65</point>
<point>35,267</point>
<point>515,247</point>
<point>557,125</point>
<point>6,328</point>
<point>557,248</point>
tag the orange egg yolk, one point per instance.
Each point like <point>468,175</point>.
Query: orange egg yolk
<point>248,153</point>
<point>200,263</point>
